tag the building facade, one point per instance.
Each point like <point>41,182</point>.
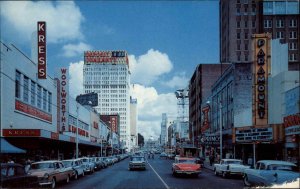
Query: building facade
<point>38,115</point>
<point>133,124</point>
<point>163,130</point>
<point>239,19</point>
<point>107,74</point>
<point>200,85</point>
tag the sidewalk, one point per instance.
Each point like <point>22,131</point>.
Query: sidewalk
<point>207,165</point>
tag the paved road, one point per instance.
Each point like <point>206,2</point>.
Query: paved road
<point>157,176</point>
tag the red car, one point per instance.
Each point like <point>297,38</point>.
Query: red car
<point>187,166</point>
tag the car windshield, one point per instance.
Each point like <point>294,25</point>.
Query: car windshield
<point>85,160</point>
<point>235,162</point>
<point>42,165</point>
<point>67,163</point>
<point>137,159</point>
<point>282,167</point>
<point>186,161</point>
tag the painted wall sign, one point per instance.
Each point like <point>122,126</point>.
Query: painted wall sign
<point>32,111</point>
<point>22,132</point>
<point>113,123</point>
<point>261,62</point>
<point>41,47</point>
<point>64,98</point>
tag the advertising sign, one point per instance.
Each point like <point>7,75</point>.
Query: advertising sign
<point>32,111</point>
<point>261,70</point>
<point>205,124</point>
<point>114,123</point>
<point>254,135</point>
<point>41,47</point>
<point>21,132</point>
<point>105,57</point>
<point>63,96</point>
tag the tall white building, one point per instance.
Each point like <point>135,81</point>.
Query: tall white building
<point>107,74</point>
<point>164,130</point>
<point>133,123</point>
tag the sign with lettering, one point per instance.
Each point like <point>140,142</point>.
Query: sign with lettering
<point>254,135</point>
<point>205,124</point>
<point>41,47</point>
<point>63,96</point>
<point>32,111</point>
<point>261,62</point>
<point>22,132</point>
<point>114,123</point>
<point>105,57</point>
<point>210,139</point>
<point>291,120</point>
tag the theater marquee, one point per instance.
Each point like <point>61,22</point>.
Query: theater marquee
<point>261,70</point>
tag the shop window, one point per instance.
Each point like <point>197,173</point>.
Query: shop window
<point>25,89</point>
<point>39,96</point>
<point>18,85</point>
<point>49,102</point>
<point>32,90</point>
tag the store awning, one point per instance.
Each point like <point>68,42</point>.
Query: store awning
<point>8,148</point>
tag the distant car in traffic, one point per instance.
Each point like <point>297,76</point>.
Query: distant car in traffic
<point>185,166</point>
<point>228,167</point>
<point>137,162</point>
<point>50,172</point>
<point>270,172</point>
<point>163,155</point>
<point>13,175</point>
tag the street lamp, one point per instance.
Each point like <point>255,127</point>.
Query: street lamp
<point>220,125</point>
<point>77,111</point>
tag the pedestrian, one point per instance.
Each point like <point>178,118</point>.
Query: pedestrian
<point>210,160</point>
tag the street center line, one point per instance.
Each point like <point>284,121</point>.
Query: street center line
<point>167,187</point>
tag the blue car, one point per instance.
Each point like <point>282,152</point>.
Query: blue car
<point>270,172</point>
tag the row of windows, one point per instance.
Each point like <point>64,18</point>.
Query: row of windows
<point>104,82</point>
<point>280,23</point>
<point>30,92</point>
<point>253,24</point>
<point>104,68</point>
<point>281,35</point>
<point>280,7</point>
<point>104,73</point>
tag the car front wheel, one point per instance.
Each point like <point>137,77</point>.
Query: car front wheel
<point>68,179</point>
<point>246,181</point>
<point>76,176</point>
<point>53,183</point>
<point>224,175</point>
<point>216,173</point>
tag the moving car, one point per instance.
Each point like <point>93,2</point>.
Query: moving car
<point>228,167</point>
<point>137,162</point>
<point>163,155</point>
<point>75,164</point>
<point>185,165</point>
<point>50,172</point>
<point>270,172</point>
<point>13,175</point>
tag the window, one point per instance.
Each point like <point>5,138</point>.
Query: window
<point>293,57</point>
<point>18,85</point>
<point>238,35</point>
<point>246,24</point>
<point>246,46</point>
<point>279,35</point>
<point>253,24</point>
<point>293,35</point>
<point>246,35</point>
<point>293,23</point>
<point>49,102</point>
<point>238,47</point>
<point>293,46</point>
<point>279,23</point>
<point>238,10</point>
<point>32,99</point>
<point>39,96</point>
<point>238,24</point>
<point>26,90</point>
<point>267,23</point>
<point>246,57</point>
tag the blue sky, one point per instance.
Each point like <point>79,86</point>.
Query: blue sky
<point>166,40</point>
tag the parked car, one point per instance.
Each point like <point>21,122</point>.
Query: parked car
<point>137,162</point>
<point>13,175</point>
<point>50,172</point>
<point>270,172</point>
<point>89,165</point>
<point>228,167</point>
<point>77,166</point>
<point>187,166</point>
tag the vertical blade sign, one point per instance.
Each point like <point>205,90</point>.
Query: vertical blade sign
<point>41,31</point>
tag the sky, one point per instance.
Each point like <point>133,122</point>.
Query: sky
<point>165,41</point>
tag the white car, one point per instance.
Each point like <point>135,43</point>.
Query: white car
<point>89,165</point>
<point>77,165</point>
<point>228,167</point>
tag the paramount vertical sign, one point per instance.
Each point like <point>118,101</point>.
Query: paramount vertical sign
<point>41,47</point>
<point>261,69</point>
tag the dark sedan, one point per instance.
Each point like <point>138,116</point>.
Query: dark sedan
<point>13,175</point>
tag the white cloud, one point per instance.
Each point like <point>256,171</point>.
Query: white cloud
<point>71,50</point>
<point>146,68</point>
<point>180,81</point>
<point>63,18</point>
<point>76,78</point>
<point>151,105</point>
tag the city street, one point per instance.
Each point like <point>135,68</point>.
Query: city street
<point>157,175</point>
